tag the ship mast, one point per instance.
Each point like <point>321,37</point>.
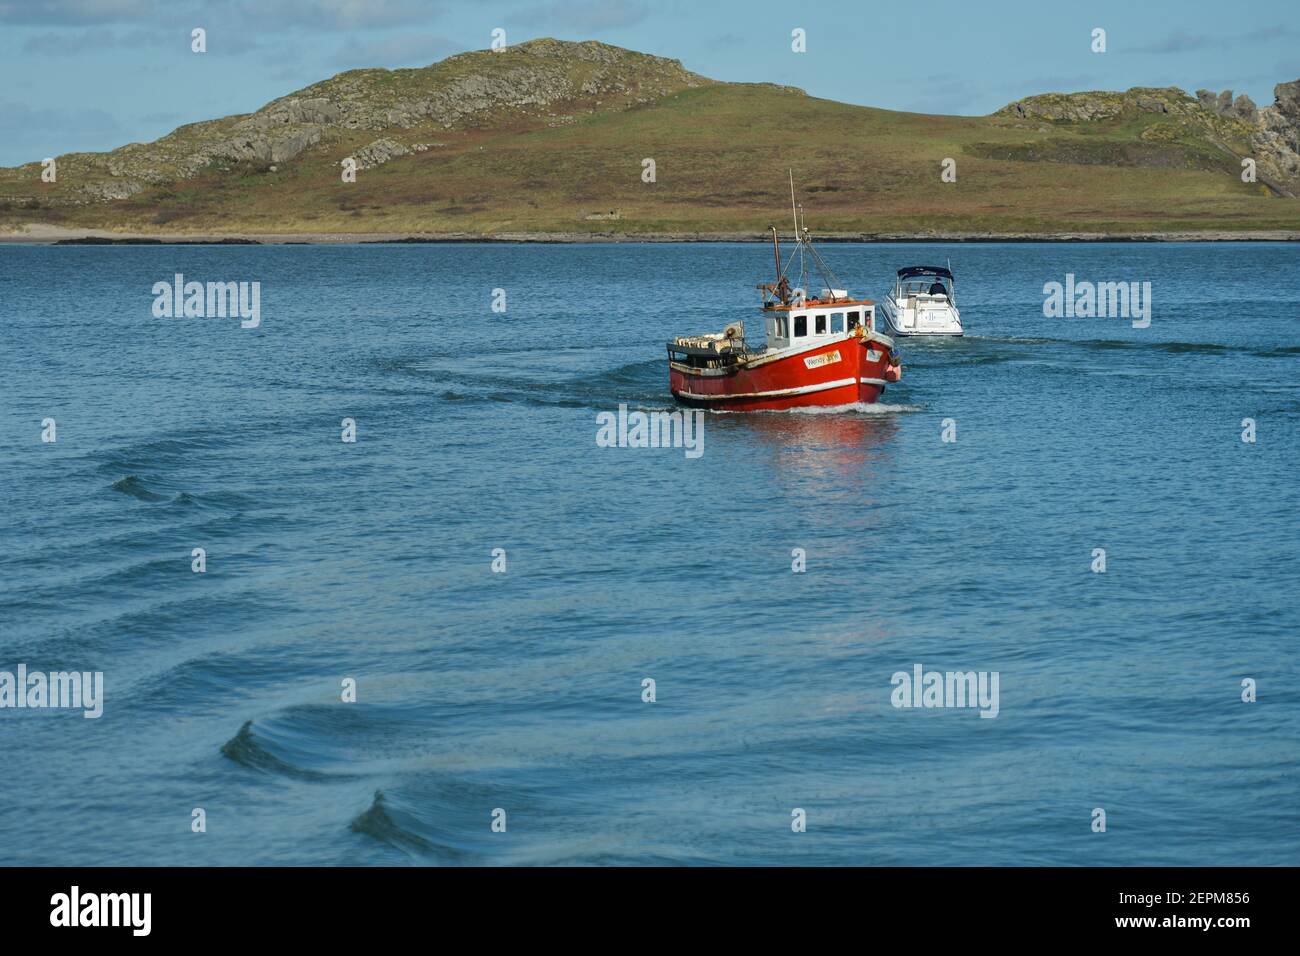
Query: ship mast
<point>798,238</point>
<point>776,251</point>
<point>793,212</point>
<point>781,288</point>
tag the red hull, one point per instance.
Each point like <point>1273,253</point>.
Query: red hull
<point>842,372</point>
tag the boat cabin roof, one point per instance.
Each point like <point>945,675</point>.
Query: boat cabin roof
<point>818,304</point>
<point>908,272</point>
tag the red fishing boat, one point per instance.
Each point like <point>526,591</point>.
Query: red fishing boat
<point>817,351</point>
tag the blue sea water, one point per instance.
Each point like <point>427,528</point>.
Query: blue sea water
<point>522,690</point>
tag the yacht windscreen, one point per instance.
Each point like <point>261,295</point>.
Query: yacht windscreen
<point>926,285</point>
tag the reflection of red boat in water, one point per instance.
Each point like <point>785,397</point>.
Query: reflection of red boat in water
<point>821,351</point>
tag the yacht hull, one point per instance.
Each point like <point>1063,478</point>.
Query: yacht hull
<point>943,321</point>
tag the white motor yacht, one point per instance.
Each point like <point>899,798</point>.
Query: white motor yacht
<point>922,303</point>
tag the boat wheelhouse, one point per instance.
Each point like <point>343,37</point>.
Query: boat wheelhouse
<point>804,321</point>
<point>922,303</point>
<point>822,351</point>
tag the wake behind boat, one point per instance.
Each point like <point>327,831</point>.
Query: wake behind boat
<point>822,351</point>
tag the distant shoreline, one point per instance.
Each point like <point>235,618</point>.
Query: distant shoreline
<point>39,234</point>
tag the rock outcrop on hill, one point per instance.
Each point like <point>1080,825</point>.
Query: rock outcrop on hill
<point>1090,107</point>
<point>1271,135</point>
<point>1277,133</point>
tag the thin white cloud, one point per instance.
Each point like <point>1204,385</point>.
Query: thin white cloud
<point>390,52</point>
<point>335,14</point>
<point>1180,41</point>
<point>89,41</point>
<point>58,13</point>
<point>584,15</point>
<point>19,116</point>
<point>28,135</point>
<point>298,15</point>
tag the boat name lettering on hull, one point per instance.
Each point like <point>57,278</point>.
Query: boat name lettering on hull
<point>827,358</point>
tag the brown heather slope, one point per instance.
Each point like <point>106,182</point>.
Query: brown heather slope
<point>547,136</point>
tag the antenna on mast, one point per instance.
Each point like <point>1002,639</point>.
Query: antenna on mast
<point>793,212</point>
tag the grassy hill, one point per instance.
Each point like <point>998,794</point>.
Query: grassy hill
<point>544,135</point>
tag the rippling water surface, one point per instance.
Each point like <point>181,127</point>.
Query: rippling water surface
<point>522,690</point>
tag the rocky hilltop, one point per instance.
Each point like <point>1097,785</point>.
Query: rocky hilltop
<point>1270,135</point>
<point>541,81</point>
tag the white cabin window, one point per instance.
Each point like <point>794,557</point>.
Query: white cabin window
<point>837,323</point>
<point>853,321</point>
<point>819,324</point>
<point>771,327</point>
<point>781,327</point>
<point>800,326</point>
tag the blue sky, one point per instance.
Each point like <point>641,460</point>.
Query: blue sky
<point>94,74</point>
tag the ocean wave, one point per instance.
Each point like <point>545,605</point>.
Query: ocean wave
<point>448,823</point>
<point>133,486</point>
<point>250,748</point>
<point>383,823</point>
